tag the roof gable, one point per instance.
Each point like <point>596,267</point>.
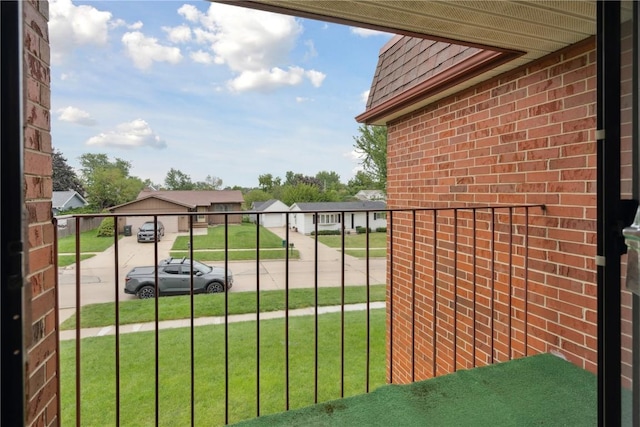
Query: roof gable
<point>269,205</point>
<point>60,198</point>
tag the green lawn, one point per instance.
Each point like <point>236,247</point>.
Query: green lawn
<point>241,239</point>
<point>355,244</point>
<point>138,378</point>
<point>179,307</point>
<point>89,242</point>
<point>240,236</point>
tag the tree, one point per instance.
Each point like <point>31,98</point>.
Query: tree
<point>107,182</point>
<point>298,178</point>
<point>209,183</point>
<point>64,177</point>
<point>329,180</point>
<point>178,180</point>
<point>300,193</point>
<point>372,146</point>
<point>361,181</point>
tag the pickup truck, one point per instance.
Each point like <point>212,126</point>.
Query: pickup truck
<point>174,278</point>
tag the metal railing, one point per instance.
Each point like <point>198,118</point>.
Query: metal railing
<point>440,262</point>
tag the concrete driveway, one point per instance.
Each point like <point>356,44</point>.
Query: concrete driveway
<point>98,274</point>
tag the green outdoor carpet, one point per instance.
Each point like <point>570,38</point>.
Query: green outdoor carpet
<point>542,390</point>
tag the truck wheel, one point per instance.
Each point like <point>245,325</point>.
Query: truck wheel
<point>146,292</point>
<point>215,287</point>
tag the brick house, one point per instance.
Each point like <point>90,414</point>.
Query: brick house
<point>545,48</point>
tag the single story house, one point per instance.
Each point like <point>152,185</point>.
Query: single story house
<point>329,216</point>
<point>64,200</point>
<point>181,202</point>
<point>260,213</point>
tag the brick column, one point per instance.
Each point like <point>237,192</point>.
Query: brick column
<point>40,293</point>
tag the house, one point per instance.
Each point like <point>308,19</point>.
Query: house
<point>330,216</point>
<point>371,195</point>
<point>64,200</point>
<point>534,57</point>
<point>182,201</point>
<point>274,219</point>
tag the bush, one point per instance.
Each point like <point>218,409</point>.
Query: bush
<point>327,233</point>
<point>362,230</point>
<point>381,230</point>
<point>106,228</point>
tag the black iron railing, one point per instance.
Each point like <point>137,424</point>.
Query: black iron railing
<point>437,261</point>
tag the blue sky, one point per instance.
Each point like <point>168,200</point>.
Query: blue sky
<point>208,89</point>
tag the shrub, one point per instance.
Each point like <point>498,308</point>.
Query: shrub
<point>362,230</point>
<point>106,228</point>
<point>326,233</point>
<point>381,230</point>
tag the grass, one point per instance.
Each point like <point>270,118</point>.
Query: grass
<point>138,373</point>
<point>89,242</point>
<point>355,244</point>
<point>65,260</point>
<point>237,255</point>
<point>241,240</point>
<point>179,307</point>
<point>240,236</point>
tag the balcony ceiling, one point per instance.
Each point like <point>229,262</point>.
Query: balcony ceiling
<point>531,28</point>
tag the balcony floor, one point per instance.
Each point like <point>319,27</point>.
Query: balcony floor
<point>537,390</point>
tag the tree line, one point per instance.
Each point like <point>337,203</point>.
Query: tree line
<point>105,182</point>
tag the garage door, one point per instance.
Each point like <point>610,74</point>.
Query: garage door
<point>170,222</point>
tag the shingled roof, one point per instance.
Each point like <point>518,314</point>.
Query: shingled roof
<point>195,197</point>
<point>410,69</point>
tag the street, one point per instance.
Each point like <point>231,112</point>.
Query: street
<point>98,274</point>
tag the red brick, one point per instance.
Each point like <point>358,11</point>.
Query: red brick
<point>509,158</point>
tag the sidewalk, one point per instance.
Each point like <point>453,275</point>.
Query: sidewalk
<point>202,321</point>
<point>306,246</point>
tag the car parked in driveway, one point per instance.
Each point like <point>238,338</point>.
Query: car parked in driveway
<point>174,278</point>
<point>147,233</point>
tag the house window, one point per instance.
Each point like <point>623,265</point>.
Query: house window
<point>379,215</point>
<point>201,218</point>
<point>329,218</point>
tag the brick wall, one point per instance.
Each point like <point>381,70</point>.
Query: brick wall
<point>40,294</point>
<point>527,137</point>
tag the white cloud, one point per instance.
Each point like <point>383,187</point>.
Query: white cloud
<point>71,26</point>
<point>136,25</point>
<point>316,77</point>
<point>301,99</point>
<point>254,45</point>
<point>201,57</point>
<point>75,115</point>
<point>365,32</point>
<point>311,50</point>
<point>115,23</point>
<point>136,133</point>
<point>180,34</point>
<point>365,95</point>
<point>266,80</point>
<point>145,50</point>
<point>190,12</point>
